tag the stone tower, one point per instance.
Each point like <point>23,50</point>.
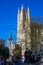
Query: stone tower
<point>10,44</point>
<point>23,29</point>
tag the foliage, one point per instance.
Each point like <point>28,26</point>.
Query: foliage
<point>17,50</point>
<point>4,51</point>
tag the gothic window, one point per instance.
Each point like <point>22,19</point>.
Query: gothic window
<point>23,25</point>
<point>24,16</point>
<point>34,32</point>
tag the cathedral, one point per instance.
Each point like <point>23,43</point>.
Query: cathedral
<point>29,33</point>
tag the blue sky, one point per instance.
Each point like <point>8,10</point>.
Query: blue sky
<point>8,15</point>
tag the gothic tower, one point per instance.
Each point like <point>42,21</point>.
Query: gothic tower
<point>23,29</point>
<point>10,44</point>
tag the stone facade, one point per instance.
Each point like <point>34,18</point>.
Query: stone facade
<point>28,33</point>
<point>23,33</point>
<point>36,30</point>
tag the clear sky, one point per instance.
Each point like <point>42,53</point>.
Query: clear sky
<point>8,15</point>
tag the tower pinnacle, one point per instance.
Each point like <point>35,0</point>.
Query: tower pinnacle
<point>18,11</point>
<point>28,11</point>
<point>10,38</point>
<point>22,7</point>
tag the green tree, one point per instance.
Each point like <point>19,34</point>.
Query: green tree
<point>5,52</point>
<point>17,50</point>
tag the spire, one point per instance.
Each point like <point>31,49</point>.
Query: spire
<point>22,8</point>
<point>18,10</point>
<point>10,38</point>
<point>28,11</point>
<point>28,14</point>
<point>28,8</point>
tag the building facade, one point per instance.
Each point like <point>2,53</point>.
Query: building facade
<point>22,30</point>
<point>28,33</point>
